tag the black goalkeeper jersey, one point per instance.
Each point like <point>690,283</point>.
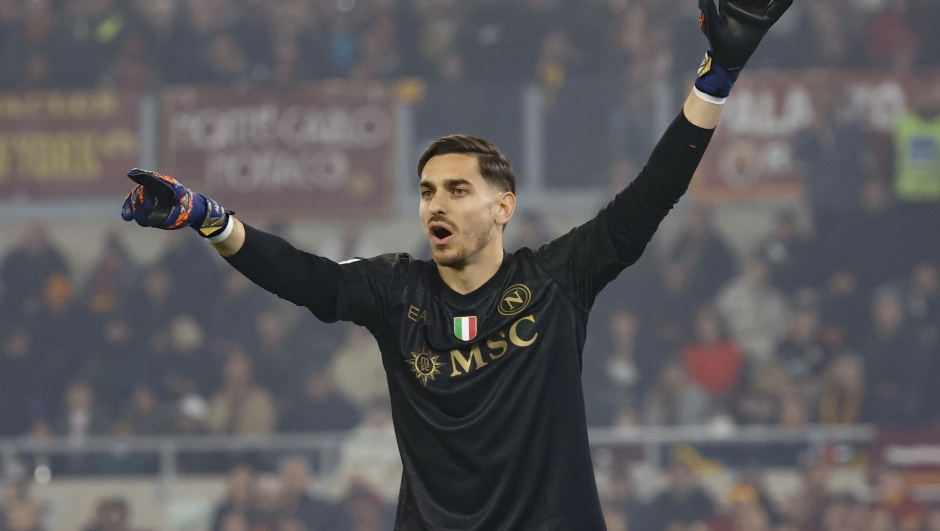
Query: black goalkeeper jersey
<point>486,387</point>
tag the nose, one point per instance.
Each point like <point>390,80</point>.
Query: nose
<point>437,204</point>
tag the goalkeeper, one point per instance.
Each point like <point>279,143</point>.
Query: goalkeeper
<point>482,348</point>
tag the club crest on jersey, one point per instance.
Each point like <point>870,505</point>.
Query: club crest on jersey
<point>515,299</point>
<point>465,328</point>
<point>424,365</point>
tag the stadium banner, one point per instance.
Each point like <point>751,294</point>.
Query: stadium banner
<point>323,150</point>
<point>751,155</point>
<point>75,144</point>
<point>915,452</point>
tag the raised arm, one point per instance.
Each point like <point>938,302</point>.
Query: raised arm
<point>734,29</point>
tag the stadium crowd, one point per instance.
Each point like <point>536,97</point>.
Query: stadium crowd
<point>281,501</point>
<point>136,44</point>
<point>834,323</point>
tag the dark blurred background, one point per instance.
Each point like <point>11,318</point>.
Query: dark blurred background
<point>795,294</point>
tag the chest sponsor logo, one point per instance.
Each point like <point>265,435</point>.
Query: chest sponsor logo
<point>424,365</point>
<point>515,299</point>
<point>521,334</point>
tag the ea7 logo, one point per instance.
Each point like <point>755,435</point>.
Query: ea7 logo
<point>515,299</point>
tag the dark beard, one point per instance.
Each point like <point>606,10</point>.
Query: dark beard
<point>459,260</point>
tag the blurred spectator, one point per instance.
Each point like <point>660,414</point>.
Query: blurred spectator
<point>615,519</point>
<point>379,53</point>
<point>712,360</point>
<point>121,460</point>
<point>298,504</point>
<point>893,491</point>
<point>622,500</point>
<point>146,413</point>
<point>672,302</point>
<point>365,509</point>
<point>843,392</point>
<point>891,41</point>
<point>20,378</point>
<point>789,254</point>
<point>700,251</point>
<point>116,364</point>
<point>266,513</point>
<point>113,278</point>
<point>192,265</point>
<point>279,355</point>
<point>530,231</point>
<point>26,270</point>
<point>832,157</point>
<point>675,399</point>
<point>763,400</point>
<point>613,370</point>
<point>357,367</point>
<point>23,515</point>
<point>757,313</point>
<point>192,418</point>
<point>192,414</point>
<point>801,351</point>
<point>234,521</point>
<point>499,42</point>
<point>683,503</point>
<point>155,307</point>
<point>923,294</point>
<point>87,42</point>
<point>899,365</point>
<point>370,455</point>
<point>319,407</point>
<point>18,512</point>
<point>241,406</point>
<point>243,301</point>
<point>82,416</point>
<point>239,499</point>
<point>917,145</point>
<point>111,514</point>
<point>875,224</point>
<point>182,363</point>
<point>55,329</point>
<point>843,307</point>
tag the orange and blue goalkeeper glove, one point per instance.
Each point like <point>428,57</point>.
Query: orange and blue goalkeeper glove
<point>161,201</point>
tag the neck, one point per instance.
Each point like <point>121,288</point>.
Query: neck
<point>475,272</point>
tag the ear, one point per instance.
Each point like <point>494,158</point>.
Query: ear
<point>505,206</point>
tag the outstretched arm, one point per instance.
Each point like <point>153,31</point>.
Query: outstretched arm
<point>161,202</point>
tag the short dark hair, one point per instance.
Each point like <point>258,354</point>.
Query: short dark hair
<point>494,166</point>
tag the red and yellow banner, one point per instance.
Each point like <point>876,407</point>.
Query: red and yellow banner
<point>66,144</point>
<point>752,153</point>
<point>323,150</point>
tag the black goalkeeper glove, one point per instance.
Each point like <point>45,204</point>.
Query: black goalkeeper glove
<point>734,29</point>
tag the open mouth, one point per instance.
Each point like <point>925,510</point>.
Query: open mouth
<point>439,234</point>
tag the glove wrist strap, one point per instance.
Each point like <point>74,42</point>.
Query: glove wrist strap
<point>708,97</point>
<point>225,233</point>
<point>216,220</point>
<point>714,80</point>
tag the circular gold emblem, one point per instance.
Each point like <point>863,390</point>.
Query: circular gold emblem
<point>424,365</point>
<point>515,299</point>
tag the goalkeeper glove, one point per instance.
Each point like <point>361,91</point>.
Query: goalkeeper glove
<point>162,202</point>
<point>734,29</point>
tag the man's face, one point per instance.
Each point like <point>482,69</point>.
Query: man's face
<point>460,211</point>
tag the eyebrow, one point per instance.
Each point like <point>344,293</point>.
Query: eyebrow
<point>448,183</point>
